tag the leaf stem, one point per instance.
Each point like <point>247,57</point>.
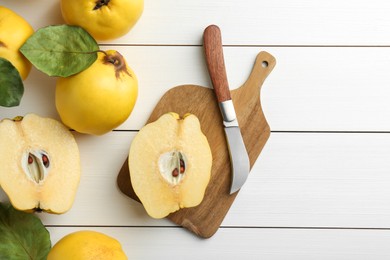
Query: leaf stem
<point>105,53</point>
<point>111,58</point>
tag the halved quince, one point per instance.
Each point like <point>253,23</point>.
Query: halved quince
<point>39,164</point>
<point>170,164</point>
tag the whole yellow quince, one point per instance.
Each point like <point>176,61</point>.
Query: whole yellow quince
<point>14,31</point>
<point>87,245</point>
<point>100,98</point>
<point>103,19</point>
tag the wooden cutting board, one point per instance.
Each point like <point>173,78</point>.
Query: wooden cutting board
<point>205,219</point>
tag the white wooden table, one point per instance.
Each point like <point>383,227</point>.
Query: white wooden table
<point>321,187</point>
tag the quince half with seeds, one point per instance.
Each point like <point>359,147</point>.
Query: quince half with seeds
<point>39,164</point>
<point>170,164</point>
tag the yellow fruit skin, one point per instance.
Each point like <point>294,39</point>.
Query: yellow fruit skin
<point>105,23</point>
<point>87,245</point>
<point>95,101</point>
<point>14,31</point>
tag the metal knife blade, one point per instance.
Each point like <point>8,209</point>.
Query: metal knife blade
<point>212,42</point>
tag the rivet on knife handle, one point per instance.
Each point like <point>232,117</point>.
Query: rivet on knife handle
<point>212,42</point>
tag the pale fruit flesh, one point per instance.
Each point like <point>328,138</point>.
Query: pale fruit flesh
<point>170,134</point>
<point>87,245</point>
<point>56,191</point>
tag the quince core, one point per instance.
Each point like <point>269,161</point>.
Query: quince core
<point>39,164</point>
<point>170,164</point>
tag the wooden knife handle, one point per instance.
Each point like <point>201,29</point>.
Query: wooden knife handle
<point>212,43</point>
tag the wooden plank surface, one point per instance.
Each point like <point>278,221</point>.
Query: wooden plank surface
<point>322,181</point>
<point>238,243</point>
<point>311,89</point>
<point>249,22</point>
<point>300,180</point>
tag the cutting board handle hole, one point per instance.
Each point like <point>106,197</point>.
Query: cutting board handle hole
<point>264,63</point>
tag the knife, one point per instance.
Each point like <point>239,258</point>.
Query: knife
<point>212,43</point>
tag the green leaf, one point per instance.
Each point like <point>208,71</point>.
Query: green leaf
<point>11,84</point>
<point>22,235</point>
<point>61,50</point>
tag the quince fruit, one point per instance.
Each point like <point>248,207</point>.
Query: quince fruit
<point>39,164</point>
<point>14,31</point>
<point>103,19</point>
<point>100,98</point>
<point>87,245</point>
<point>170,164</point>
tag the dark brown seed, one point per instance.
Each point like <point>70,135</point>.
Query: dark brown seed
<point>30,159</point>
<point>182,167</point>
<point>45,160</point>
<point>175,172</point>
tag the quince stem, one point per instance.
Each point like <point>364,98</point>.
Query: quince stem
<point>100,3</point>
